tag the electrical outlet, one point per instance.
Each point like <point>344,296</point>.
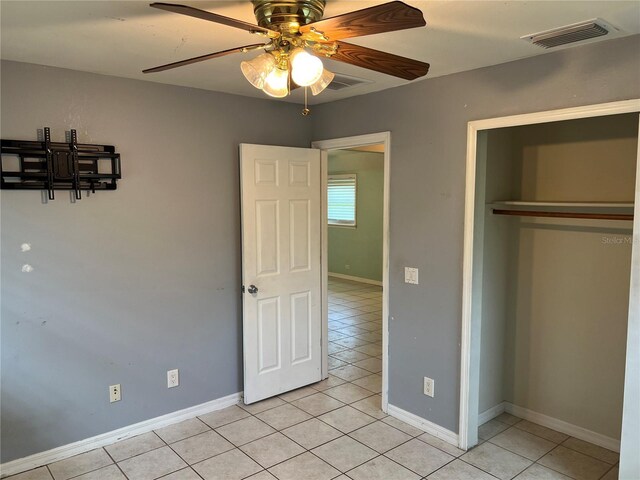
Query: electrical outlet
<point>429,386</point>
<point>173,378</point>
<point>411,275</point>
<point>347,267</point>
<point>114,393</point>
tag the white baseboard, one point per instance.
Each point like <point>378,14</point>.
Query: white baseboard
<point>66,451</point>
<point>355,279</point>
<point>563,427</point>
<point>491,413</point>
<point>424,424</point>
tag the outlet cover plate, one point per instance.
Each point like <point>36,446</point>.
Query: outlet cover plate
<point>411,275</point>
<point>115,393</point>
<point>173,378</point>
<point>429,387</point>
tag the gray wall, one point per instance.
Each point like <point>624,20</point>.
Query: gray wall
<point>501,171</point>
<point>361,247</point>
<point>428,122</point>
<point>130,283</point>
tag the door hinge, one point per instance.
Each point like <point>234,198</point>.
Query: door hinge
<point>242,288</point>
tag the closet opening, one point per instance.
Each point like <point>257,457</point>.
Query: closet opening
<point>548,272</point>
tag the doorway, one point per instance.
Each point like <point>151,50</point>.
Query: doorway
<point>355,200</point>
<point>484,213</point>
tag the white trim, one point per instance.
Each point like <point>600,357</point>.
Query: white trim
<point>467,286</point>
<point>355,279</point>
<point>324,260</point>
<point>491,413</point>
<point>629,458</point>
<point>574,113</point>
<point>563,427</point>
<point>349,142</point>
<point>424,425</point>
<point>66,451</point>
<point>469,373</point>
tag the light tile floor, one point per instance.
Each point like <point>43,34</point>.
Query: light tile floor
<point>335,429</point>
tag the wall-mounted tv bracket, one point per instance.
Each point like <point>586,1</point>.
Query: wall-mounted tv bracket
<point>47,165</point>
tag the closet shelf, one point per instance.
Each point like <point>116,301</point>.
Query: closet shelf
<point>581,210</point>
<point>521,203</point>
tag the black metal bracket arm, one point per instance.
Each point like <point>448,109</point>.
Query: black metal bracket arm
<point>47,165</point>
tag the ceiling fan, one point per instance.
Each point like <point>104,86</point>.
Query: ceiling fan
<point>293,27</point>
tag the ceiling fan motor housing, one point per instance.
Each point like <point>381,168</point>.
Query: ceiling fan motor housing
<point>286,16</point>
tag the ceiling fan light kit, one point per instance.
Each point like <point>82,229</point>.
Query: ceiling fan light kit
<point>306,69</point>
<point>272,71</point>
<point>294,28</point>
<point>277,83</point>
<point>323,82</point>
<point>256,70</point>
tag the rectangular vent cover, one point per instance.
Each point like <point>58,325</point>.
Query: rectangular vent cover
<point>340,82</point>
<point>568,34</point>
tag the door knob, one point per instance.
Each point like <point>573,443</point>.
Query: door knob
<point>252,289</point>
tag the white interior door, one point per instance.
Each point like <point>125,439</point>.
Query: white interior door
<point>280,201</point>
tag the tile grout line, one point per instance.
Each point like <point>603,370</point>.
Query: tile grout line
<point>187,463</point>
<point>83,473</point>
<point>588,455</point>
<point>515,425</point>
<point>551,468</point>
<point>48,470</point>
<point>187,468</point>
<point>116,463</point>
<point>607,472</point>
<point>489,473</point>
<point>516,453</point>
<point>153,449</point>
<point>533,462</point>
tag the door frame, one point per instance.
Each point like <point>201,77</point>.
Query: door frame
<point>383,138</point>
<point>472,267</point>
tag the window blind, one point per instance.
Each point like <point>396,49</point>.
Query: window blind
<point>341,200</point>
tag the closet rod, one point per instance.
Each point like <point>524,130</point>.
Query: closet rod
<point>537,213</point>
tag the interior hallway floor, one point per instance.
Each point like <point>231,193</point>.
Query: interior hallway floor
<point>335,429</point>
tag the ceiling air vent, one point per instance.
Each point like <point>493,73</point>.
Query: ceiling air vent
<point>340,82</point>
<point>569,34</point>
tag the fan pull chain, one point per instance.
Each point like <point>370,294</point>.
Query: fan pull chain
<point>305,110</point>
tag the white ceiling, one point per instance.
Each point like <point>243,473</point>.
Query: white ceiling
<point>123,37</point>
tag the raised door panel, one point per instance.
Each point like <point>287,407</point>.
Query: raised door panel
<point>299,232</point>
<point>269,335</point>
<point>267,237</point>
<point>301,328</point>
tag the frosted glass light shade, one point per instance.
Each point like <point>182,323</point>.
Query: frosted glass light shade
<point>257,70</point>
<point>277,83</point>
<point>306,69</point>
<point>323,82</point>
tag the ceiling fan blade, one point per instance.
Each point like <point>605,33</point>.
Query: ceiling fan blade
<point>387,17</point>
<point>380,61</point>
<point>214,17</point>
<point>202,58</point>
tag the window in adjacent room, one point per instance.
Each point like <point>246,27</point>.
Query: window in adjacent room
<point>341,199</point>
